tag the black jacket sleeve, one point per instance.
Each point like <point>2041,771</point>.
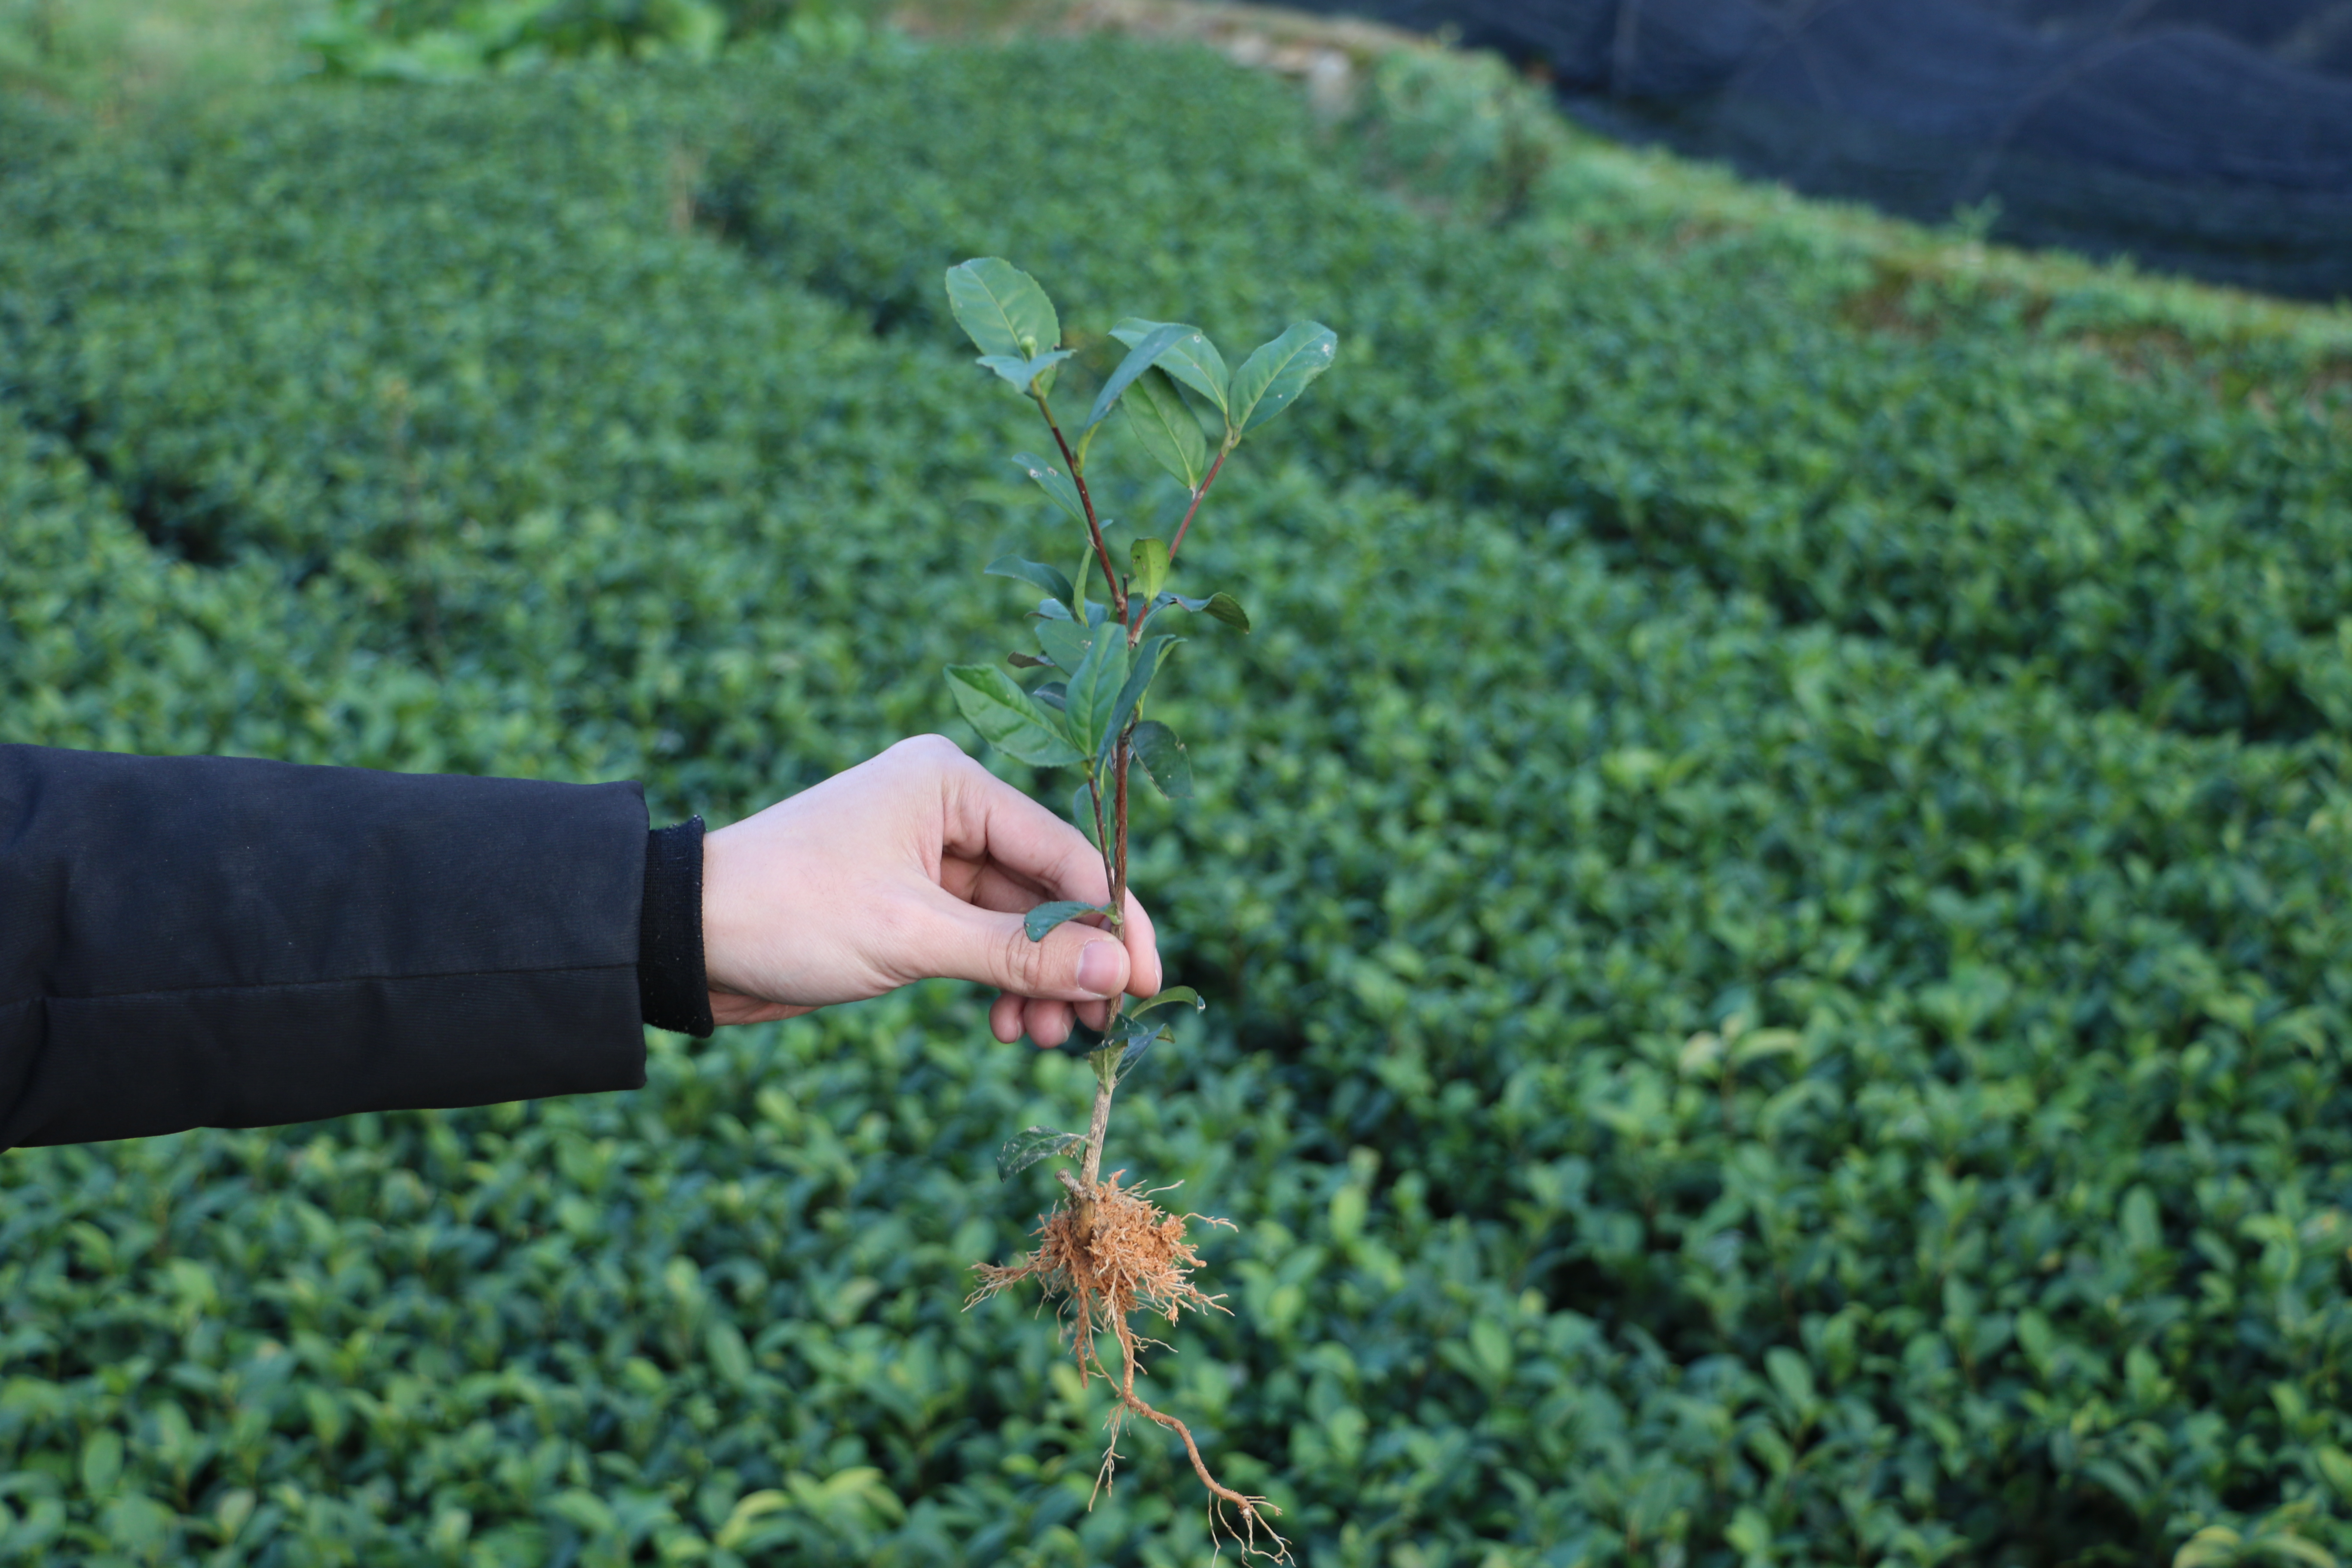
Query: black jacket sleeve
<point>194,942</point>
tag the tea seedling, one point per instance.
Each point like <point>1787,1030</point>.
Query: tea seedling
<point>1107,1251</point>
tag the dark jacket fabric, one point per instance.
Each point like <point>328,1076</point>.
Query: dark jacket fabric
<point>208,941</point>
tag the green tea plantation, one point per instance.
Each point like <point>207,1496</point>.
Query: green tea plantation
<point>1775,879</point>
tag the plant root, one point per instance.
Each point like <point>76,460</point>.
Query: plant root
<point>1101,1254</point>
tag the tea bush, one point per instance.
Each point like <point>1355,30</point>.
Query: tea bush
<point>1779,899</point>
<point>427,39</point>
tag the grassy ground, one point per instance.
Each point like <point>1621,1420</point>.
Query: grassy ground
<point>115,59</point>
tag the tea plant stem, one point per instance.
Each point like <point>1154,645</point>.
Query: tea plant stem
<point>1102,842</point>
<point>1098,1127</point>
<point>1198,496</point>
<point>1118,761</point>
<point>1086,500</point>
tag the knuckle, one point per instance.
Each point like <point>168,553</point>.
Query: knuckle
<point>1025,964</point>
<point>939,747</point>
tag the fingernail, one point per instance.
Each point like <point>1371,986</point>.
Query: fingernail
<point>1098,968</point>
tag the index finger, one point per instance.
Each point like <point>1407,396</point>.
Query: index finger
<point>988,819</point>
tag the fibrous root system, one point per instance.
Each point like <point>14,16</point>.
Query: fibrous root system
<point>1103,1252</point>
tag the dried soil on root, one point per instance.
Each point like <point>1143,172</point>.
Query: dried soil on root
<point>1101,1256</point>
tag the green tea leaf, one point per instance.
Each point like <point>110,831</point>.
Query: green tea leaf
<point>1064,643</point>
<point>1119,1034</point>
<point>1221,606</point>
<point>1053,482</point>
<point>1095,687</point>
<point>1136,1045</point>
<point>1007,718</point>
<point>1148,560</point>
<point>1167,430</point>
<point>1140,358</point>
<point>747,1512</point>
<point>1169,996</point>
<point>101,1462</point>
<point>1052,610</point>
<point>1226,608</point>
<point>1082,812</point>
<point>1271,379</point>
<point>1045,917</point>
<point>1164,760</point>
<point>1054,694</point>
<point>1139,680</point>
<point>1001,309</point>
<point>1031,1144</point>
<point>1191,359</point>
<point>1033,573</point>
<point>729,1356</point>
<point>1021,371</point>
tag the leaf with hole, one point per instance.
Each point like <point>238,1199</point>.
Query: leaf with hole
<point>1054,482</point>
<point>1164,760</point>
<point>1271,379</point>
<point>1147,561</point>
<point>1001,309</point>
<point>1007,718</point>
<point>1031,1144</point>
<point>1192,358</point>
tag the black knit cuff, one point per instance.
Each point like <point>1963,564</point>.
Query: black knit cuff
<point>672,990</point>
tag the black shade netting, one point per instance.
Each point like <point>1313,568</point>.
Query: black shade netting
<point>2209,137</point>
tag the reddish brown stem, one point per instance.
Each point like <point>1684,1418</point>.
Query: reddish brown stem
<point>1102,842</point>
<point>1086,503</point>
<point>1118,758</point>
<point>1198,496</point>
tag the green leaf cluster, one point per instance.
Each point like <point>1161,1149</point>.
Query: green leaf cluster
<point>1774,876</point>
<point>427,40</point>
<point>1096,713</point>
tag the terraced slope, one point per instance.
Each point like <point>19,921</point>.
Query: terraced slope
<point>1774,878</point>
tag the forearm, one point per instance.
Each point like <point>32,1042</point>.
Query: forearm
<point>210,941</point>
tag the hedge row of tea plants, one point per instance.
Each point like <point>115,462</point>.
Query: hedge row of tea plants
<point>446,39</point>
<point>1780,907</point>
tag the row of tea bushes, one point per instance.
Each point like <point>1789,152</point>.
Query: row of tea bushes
<point>1695,1083</point>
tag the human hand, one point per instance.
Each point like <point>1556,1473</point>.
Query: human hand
<point>914,864</point>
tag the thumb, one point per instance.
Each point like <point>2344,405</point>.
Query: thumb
<point>1074,963</point>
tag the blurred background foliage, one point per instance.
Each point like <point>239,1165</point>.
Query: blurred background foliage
<point>432,38</point>
<point>110,58</point>
<point>1774,878</point>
